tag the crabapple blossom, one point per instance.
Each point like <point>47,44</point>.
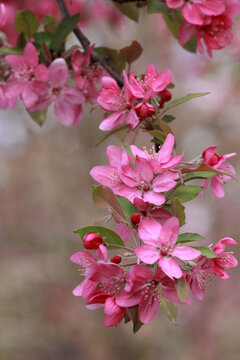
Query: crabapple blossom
<point>224,260</point>
<point>217,162</point>
<point>160,246</point>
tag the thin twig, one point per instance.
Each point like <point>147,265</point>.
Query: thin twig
<point>86,43</point>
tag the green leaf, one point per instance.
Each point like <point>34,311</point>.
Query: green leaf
<point>65,27</point>
<point>208,253</point>
<point>191,45</point>
<point>182,288</point>
<point>168,118</point>
<point>8,50</point>
<point>169,307</point>
<point>157,134</point>
<point>192,175</point>
<point>155,6</point>
<point>177,209</point>
<point>104,198</point>
<point>21,42</point>
<point>132,313</point>
<point>128,150</point>
<point>132,52</point>
<point>185,192</point>
<point>50,24</point>
<point>112,132</point>
<point>173,23</point>
<point>128,208</point>
<point>26,22</point>
<point>112,56</point>
<point>187,237</point>
<point>129,9</point>
<point>42,37</point>
<point>182,100</point>
<point>38,117</point>
<point>108,235</point>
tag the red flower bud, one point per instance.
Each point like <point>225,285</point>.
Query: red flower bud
<point>144,110</point>
<point>165,96</point>
<point>91,241</point>
<point>116,259</point>
<point>135,218</point>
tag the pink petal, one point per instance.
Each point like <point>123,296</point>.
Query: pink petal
<point>161,81</point>
<point>73,95</point>
<point>221,244</point>
<point>16,62</point>
<point>83,258</point>
<point>148,254</point>
<point>114,155</point>
<point>154,198</point>
<point>217,187</point>
<point>212,7</point>
<point>165,181</point>
<point>128,299</point>
<point>149,231</point>
<point>170,267</point>
<point>30,56</point>
<point>148,307</point>
<point>192,14</point>
<point>165,152</point>
<point>105,175</point>
<point>64,111</point>
<point>170,230</point>
<point>58,73</point>
<point>113,313</point>
<point>112,121</point>
<point>136,89</point>
<point>41,73</point>
<point>185,253</point>
<point>132,119</point>
<point>174,4</point>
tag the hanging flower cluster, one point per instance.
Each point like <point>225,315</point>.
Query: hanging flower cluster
<point>153,267</point>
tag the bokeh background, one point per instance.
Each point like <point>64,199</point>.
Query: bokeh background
<point>45,195</point>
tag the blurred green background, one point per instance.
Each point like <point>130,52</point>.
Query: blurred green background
<point>45,195</point>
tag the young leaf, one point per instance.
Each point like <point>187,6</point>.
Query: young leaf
<point>182,288</point>
<point>50,24</point>
<point>132,313</point>
<point>39,116</point>
<point>128,150</point>
<point>198,175</point>
<point>128,208</point>
<point>112,56</point>
<point>104,197</point>
<point>132,52</point>
<point>182,100</point>
<point>108,235</point>
<point>8,50</point>
<point>177,209</point>
<point>208,253</point>
<point>42,37</point>
<point>157,134</point>
<point>185,192</point>
<point>187,237</point>
<point>112,132</point>
<point>155,6</point>
<point>168,118</point>
<point>129,9</point>
<point>26,22</point>
<point>169,307</point>
<point>64,29</point>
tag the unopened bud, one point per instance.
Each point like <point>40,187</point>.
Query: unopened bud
<point>165,96</point>
<point>135,218</point>
<point>91,241</point>
<point>116,259</point>
<point>144,110</point>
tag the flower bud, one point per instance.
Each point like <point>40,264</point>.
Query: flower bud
<point>135,218</point>
<point>91,241</point>
<point>116,259</point>
<point>144,110</point>
<point>165,96</point>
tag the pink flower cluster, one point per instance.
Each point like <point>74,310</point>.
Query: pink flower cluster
<point>152,260</point>
<point>40,86</point>
<point>209,20</point>
<point>133,103</point>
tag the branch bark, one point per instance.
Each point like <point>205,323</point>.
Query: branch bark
<point>86,43</point>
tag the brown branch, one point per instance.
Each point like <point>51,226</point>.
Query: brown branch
<point>86,43</point>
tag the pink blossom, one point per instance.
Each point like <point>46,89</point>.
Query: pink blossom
<point>110,279</point>
<point>151,84</point>
<point>7,102</point>
<point>118,102</point>
<point>67,99</point>
<point>218,162</point>
<point>224,260</point>
<point>86,76</point>
<point>162,160</point>
<point>26,69</point>
<point>200,273</point>
<point>144,110</point>
<point>160,246</point>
